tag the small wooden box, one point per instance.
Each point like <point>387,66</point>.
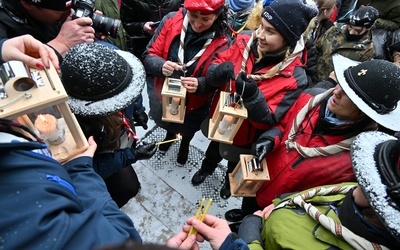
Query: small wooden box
<point>245,182</point>
<point>173,96</point>
<point>39,92</point>
<point>236,113</point>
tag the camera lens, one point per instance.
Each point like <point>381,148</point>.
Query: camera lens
<point>106,25</point>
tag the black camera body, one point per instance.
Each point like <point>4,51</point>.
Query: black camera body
<point>103,24</point>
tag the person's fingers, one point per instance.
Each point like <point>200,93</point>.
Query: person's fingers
<point>168,68</point>
<point>189,242</point>
<point>209,220</point>
<point>186,228</point>
<point>178,67</point>
<point>32,62</point>
<point>89,151</point>
<point>92,146</point>
<point>84,21</point>
<point>202,228</point>
<point>48,55</point>
<point>268,210</point>
<point>176,240</point>
<point>259,213</point>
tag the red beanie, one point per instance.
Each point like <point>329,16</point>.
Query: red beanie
<point>203,6</point>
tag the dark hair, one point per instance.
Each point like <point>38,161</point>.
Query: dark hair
<point>221,23</point>
<point>106,130</point>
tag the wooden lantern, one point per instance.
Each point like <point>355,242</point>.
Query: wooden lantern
<point>38,100</point>
<point>173,101</point>
<point>248,176</point>
<point>227,119</point>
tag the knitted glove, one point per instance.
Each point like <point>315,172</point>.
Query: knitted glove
<point>250,86</point>
<point>261,147</point>
<point>141,119</point>
<point>145,151</point>
<point>220,75</point>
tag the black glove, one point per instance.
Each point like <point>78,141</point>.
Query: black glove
<point>221,75</point>
<point>261,147</point>
<point>144,151</point>
<point>141,119</point>
<point>250,86</point>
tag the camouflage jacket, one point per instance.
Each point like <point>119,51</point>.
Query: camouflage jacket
<point>334,41</point>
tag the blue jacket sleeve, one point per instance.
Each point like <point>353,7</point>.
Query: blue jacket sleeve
<point>106,164</point>
<point>92,193</point>
<point>233,242</point>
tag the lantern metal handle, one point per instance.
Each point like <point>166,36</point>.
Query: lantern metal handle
<point>25,95</point>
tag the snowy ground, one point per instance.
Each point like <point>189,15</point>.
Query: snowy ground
<point>167,197</point>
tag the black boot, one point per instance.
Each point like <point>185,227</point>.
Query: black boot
<point>184,149</point>
<point>207,168</point>
<point>209,164</point>
<point>234,215</point>
<point>165,146</point>
<point>225,192</point>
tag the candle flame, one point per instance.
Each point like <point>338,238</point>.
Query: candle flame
<point>43,118</point>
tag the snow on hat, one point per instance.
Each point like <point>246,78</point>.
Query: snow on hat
<point>373,86</point>
<point>101,81</point>
<point>205,7</point>
<point>238,5</point>
<point>363,17</point>
<point>59,5</point>
<point>290,18</point>
<point>375,161</point>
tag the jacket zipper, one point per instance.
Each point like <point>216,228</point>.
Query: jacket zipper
<point>57,179</point>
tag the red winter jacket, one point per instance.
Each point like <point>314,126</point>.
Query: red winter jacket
<point>289,171</point>
<point>157,54</point>
<point>277,94</point>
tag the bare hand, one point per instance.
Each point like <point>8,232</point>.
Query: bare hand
<point>190,83</point>
<point>183,241</point>
<point>29,51</point>
<point>148,29</point>
<point>212,229</point>
<point>73,32</point>
<point>265,212</point>
<point>169,67</point>
<point>89,151</point>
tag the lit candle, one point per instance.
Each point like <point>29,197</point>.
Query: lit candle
<point>174,105</point>
<point>225,123</point>
<point>48,126</point>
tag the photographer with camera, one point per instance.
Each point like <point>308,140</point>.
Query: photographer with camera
<point>55,22</point>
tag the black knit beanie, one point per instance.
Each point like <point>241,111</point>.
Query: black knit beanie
<point>363,17</point>
<point>290,18</point>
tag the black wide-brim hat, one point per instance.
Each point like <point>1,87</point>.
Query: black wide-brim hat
<point>363,150</point>
<point>389,120</point>
<point>101,81</point>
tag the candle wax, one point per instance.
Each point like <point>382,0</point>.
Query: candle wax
<point>226,121</point>
<point>174,105</point>
<point>48,127</point>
